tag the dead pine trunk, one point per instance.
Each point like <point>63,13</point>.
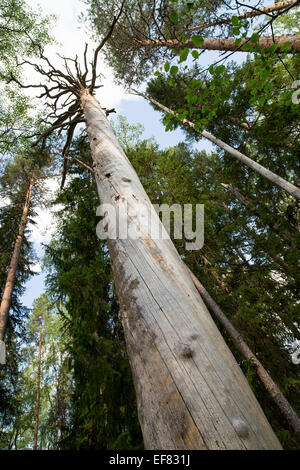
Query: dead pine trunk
<point>12,270</point>
<point>191,393</point>
<point>268,174</point>
<point>38,388</point>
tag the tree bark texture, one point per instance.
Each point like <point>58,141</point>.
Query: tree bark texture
<point>38,389</point>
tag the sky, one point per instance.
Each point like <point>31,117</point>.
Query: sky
<point>72,37</point>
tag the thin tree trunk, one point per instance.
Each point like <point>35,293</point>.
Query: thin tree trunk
<point>12,271</point>
<point>191,393</point>
<point>271,387</point>
<point>249,14</point>
<point>222,283</point>
<point>38,388</point>
<point>225,44</point>
<point>275,179</point>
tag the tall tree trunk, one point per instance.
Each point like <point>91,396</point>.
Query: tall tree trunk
<point>38,388</point>
<point>12,271</point>
<point>261,243</point>
<point>225,44</point>
<point>275,179</point>
<point>271,387</point>
<point>191,393</point>
<point>249,14</point>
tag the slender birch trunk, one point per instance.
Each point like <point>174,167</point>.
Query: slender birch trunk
<point>12,271</point>
<point>275,179</point>
<point>271,387</point>
<point>225,44</point>
<point>191,393</point>
<point>249,14</point>
<point>38,388</point>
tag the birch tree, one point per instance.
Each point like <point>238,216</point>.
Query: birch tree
<point>191,393</point>
<point>23,176</point>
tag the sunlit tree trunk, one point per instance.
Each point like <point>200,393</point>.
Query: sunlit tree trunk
<point>191,393</point>
<point>38,388</point>
<point>225,44</point>
<point>12,271</point>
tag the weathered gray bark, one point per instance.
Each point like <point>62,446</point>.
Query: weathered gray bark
<point>191,394</point>
<point>38,389</point>
<point>225,44</point>
<point>275,179</point>
<point>12,271</point>
<point>271,387</point>
<point>249,14</point>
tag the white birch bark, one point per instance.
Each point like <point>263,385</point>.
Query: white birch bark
<point>191,393</point>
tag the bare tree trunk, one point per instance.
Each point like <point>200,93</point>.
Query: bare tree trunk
<point>271,387</point>
<point>249,14</point>
<point>12,271</point>
<point>225,44</point>
<point>191,393</point>
<point>275,179</point>
<point>38,388</point>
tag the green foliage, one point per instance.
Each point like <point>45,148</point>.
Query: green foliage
<point>102,410</point>
<point>22,32</point>
<point>265,63</point>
